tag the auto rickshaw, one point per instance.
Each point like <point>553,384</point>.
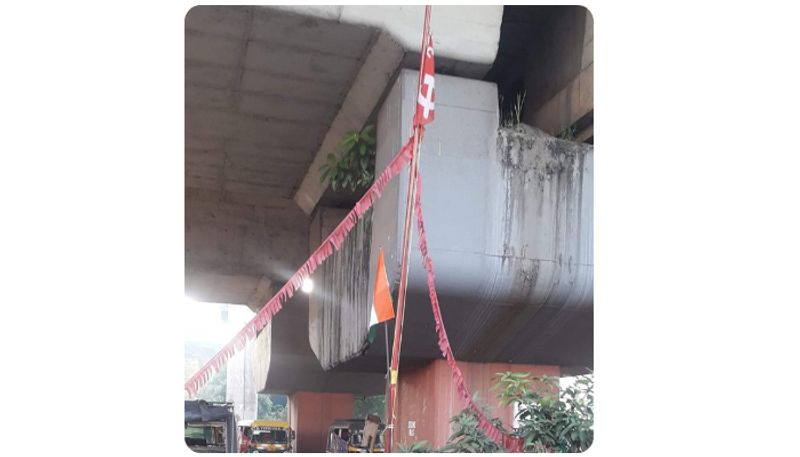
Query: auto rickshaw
<point>347,435</point>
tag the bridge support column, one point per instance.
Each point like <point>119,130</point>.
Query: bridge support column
<point>428,398</point>
<point>241,387</point>
<point>312,413</point>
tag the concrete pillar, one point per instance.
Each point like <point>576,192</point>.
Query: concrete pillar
<point>428,397</point>
<point>241,387</point>
<point>312,413</point>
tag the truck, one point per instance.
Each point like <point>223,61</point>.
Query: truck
<point>209,426</point>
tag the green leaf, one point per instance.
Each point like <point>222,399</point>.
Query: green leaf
<point>349,139</point>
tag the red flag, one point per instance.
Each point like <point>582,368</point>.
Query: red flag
<point>426,96</point>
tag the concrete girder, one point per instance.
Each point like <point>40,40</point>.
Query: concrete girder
<point>569,105</point>
<point>561,79</point>
<point>463,33</point>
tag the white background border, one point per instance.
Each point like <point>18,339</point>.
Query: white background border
<point>696,206</point>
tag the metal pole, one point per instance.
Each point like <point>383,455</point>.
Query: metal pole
<point>401,294</point>
<point>407,234</point>
<point>386,345</point>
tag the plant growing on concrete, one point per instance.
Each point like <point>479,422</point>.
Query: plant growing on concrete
<point>354,168</point>
<point>568,133</point>
<point>514,115</point>
<point>550,421</point>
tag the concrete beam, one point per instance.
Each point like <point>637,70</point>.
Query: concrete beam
<point>587,55</point>
<point>373,77</point>
<point>464,33</point>
<point>568,87</point>
<point>569,105</point>
<point>238,243</point>
<point>585,134</point>
<point>216,287</point>
<point>264,290</point>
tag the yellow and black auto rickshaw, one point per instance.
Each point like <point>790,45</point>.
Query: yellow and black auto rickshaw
<point>347,435</point>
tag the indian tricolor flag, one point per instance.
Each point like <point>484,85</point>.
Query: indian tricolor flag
<point>382,308</point>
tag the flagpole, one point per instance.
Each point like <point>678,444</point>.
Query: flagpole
<point>386,345</point>
<point>407,235</point>
<point>401,294</point>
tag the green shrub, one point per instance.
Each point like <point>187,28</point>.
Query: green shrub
<point>416,447</point>
<point>550,421</point>
<point>467,437</point>
<point>355,169</point>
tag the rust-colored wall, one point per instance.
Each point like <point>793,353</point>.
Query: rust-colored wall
<point>427,395</point>
<point>311,414</point>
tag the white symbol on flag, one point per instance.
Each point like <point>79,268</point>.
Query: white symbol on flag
<point>426,100</point>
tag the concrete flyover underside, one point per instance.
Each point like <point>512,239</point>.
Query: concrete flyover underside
<point>269,93</point>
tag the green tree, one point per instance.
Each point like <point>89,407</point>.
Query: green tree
<point>374,404</point>
<point>270,409</point>
<point>215,389</point>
